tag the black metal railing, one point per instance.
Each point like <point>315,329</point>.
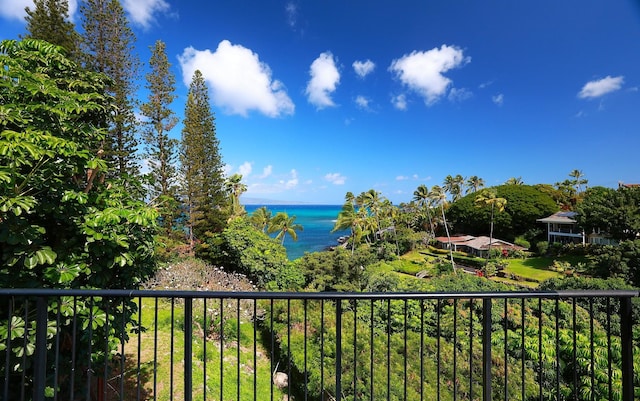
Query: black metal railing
<point>177,345</point>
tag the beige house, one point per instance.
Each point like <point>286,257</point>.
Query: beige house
<point>477,246</point>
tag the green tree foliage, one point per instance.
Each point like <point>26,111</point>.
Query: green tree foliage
<point>235,188</point>
<point>160,150</point>
<point>284,225</point>
<point>611,211</point>
<point>338,270</point>
<point>260,218</point>
<point>524,205</point>
<point>201,164</point>
<point>61,224</point>
<point>622,261</point>
<point>108,47</point>
<point>49,20</point>
<point>243,248</point>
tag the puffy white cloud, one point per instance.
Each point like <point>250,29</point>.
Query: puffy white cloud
<point>399,102</point>
<point>142,12</point>
<point>601,87</point>
<point>422,72</point>
<point>266,172</point>
<point>335,178</point>
<point>498,99</point>
<point>239,81</point>
<point>291,182</point>
<point>363,68</point>
<point>14,9</point>
<point>362,102</point>
<point>325,77</point>
<point>459,95</point>
<point>245,169</point>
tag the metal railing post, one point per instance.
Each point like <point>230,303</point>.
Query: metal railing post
<point>40,362</point>
<point>188,349</point>
<point>339,349</point>
<point>626,338</point>
<point>486,349</point>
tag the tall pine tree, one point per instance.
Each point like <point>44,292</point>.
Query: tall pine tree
<point>160,150</point>
<point>108,44</point>
<point>49,20</point>
<point>201,164</point>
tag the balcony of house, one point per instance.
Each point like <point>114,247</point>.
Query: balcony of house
<point>166,345</point>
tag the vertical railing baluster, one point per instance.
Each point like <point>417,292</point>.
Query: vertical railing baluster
<point>506,349</point>
<point>405,350</point>
<point>355,349</point>
<point>273,349</point>
<point>288,348</point>
<point>592,348</point>
<point>609,358</point>
<point>438,355</point>
<point>455,349</point>
<point>388,349</point>
<point>205,328</point>
<point>238,347</point>
<point>40,362</point>
<point>522,350</point>
<point>557,323</point>
<point>188,349</point>
<point>421,349</point>
<point>471,349</point>
<point>155,346</point>
<point>371,350</point>
<point>321,349</point>
<point>222,349</point>
<point>7,363</point>
<point>90,337</point>
<point>575,349</point>
<point>540,348</point>
<point>626,339</point>
<point>255,350</point>
<point>172,350</point>
<point>105,363</point>
<point>338,349</point>
<point>123,357</point>
<point>486,348</point>
<point>74,336</point>
<point>306,375</point>
<point>56,364</point>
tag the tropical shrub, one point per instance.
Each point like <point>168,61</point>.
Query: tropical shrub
<point>62,224</point>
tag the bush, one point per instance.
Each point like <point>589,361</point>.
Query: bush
<point>542,247</point>
<point>521,241</point>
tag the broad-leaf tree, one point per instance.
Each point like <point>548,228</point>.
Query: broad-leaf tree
<point>63,224</point>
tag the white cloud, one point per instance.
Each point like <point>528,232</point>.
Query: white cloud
<point>14,9</point>
<point>363,68</point>
<point>459,95</point>
<point>402,178</point>
<point>399,102</point>
<point>227,169</point>
<point>245,169</point>
<point>142,12</point>
<point>291,9</point>
<point>498,99</point>
<point>422,72</point>
<point>325,77</point>
<point>335,178</point>
<point>362,102</point>
<point>291,182</point>
<point>601,87</point>
<point>266,172</point>
<point>239,81</point>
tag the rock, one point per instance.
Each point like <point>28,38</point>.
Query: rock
<point>280,380</point>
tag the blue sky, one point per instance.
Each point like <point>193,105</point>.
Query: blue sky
<point>316,98</point>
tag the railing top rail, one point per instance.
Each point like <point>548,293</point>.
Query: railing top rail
<point>318,295</point>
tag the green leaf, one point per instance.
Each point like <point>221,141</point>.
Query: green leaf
<point>46,255</point>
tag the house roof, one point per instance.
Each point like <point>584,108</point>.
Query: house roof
<point>479,243</point>
<point>562,217</point>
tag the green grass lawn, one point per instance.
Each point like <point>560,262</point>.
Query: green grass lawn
<point>538,268</point>
<point>225,361</point>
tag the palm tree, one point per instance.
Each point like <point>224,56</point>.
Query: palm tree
<point>514,181</point>
<point>474,184</point>
<point>453,186</point>
<point>439,196</point>
<point>421,195</point>
<point>260,218</point>
<point>347,218</point>
<point>234,187</point>
<point>489,197</point>
<point>283,224</point>
<point>371,201</point>
<point>578,180</point>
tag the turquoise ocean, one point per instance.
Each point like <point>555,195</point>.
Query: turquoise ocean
<point>317,222</point>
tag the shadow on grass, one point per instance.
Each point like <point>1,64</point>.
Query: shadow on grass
<point>133,383</point>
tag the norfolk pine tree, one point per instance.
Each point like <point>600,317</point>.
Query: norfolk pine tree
<point>160,150</point>
<point>49,20</point>
<point>108,44</point>
<point>201,164</point>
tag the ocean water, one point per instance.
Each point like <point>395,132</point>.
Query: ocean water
<point>317,222</point>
